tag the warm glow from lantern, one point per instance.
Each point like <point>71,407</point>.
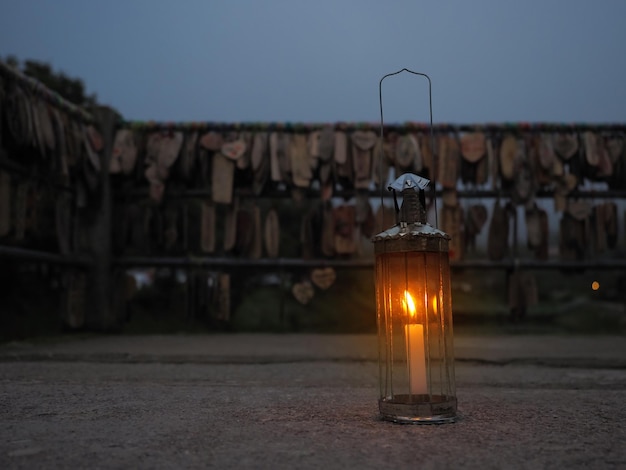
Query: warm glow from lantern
<point>415,351</point>
<point>408,304</point>
<point>595,285</point>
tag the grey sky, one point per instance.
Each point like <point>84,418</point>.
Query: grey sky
<point>320,61</point>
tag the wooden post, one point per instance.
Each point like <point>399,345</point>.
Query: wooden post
<point>100,314</point>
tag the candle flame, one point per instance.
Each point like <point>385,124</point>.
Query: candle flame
<point>408,303</point>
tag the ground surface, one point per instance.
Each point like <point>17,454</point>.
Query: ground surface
<point>305,401</point>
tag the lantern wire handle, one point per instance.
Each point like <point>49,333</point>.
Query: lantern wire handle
<point>432,139</point>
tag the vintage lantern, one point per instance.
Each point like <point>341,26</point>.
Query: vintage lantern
<point>414,313</point>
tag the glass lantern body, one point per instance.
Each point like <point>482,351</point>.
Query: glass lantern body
<point>414,316</point>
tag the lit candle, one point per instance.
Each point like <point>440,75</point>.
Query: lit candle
<point>415,351</point>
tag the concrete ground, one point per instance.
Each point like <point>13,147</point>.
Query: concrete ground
<point>305,402</point>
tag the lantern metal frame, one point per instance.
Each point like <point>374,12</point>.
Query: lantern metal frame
<point>414,307</point>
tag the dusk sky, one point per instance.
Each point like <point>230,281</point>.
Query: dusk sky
<point>321,61</point>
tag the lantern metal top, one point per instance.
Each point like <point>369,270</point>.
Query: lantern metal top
<point>409,181</point>
<point>411,237</point>
<point>411,232</point>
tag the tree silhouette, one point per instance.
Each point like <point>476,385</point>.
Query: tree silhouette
<point>70,88</point>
